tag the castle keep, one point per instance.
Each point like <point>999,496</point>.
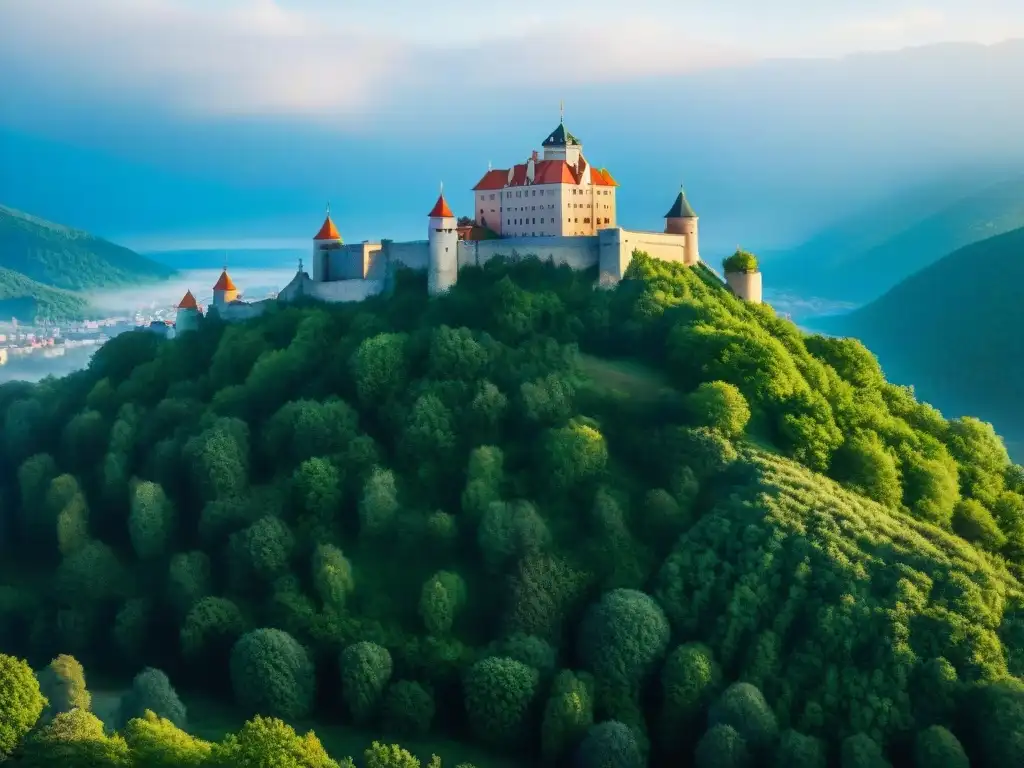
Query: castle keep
<point>557,207</point>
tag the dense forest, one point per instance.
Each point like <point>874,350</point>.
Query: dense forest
<point>647,526</point>
<point>975,365</point>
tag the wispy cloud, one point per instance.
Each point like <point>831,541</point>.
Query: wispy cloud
<point>349,61</point>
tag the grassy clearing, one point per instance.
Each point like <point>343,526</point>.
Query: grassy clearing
<point>211,720</point>
<point>627,377</point>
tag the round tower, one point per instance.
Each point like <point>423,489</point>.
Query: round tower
<point>224,290</point>
<point>681,220</point>
<point>743,276</point>
<point>325,242</point>
<point>443,240</point>
<point>187,317</point>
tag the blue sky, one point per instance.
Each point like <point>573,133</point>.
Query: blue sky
<point>179,122</point>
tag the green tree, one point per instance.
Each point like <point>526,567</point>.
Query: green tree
<point>332,576</point>
<point>153,519</point>
<point>936,747</point>
<point>574,454</point>
<point>74,738</point>
<point>720,406</point>
<point>21,702</point>
<point>624,635</point>
<point>272,673</point>
<point>152,691</point>
<point>975,523</point>
<point>365,673</point>
<point>155,742</point>
<point>408,708</point>
<point>568,714</point>
<point>499,693</point>
<point>271,742</point>
<point>722,747</point>
<point>62,684</point>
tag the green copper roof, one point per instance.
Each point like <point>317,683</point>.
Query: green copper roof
<point>681,208</point>
<point>560,138</point>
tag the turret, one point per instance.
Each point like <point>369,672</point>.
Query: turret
<point>681,220</point>
<point>187,317</point>
<point>562,145</point>
<point>224,290</point>
<point>327,240</point>
<point>743,276</point>
<point>443,239</point>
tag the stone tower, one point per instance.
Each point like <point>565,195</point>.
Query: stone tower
<point>224,290</point>
<point>443,239</point>
<point>681,220</point>
<point>326,243</point>
<point>187,317</point>
<point>743,276</point>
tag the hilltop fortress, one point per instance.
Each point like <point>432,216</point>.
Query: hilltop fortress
<point>556,207</point>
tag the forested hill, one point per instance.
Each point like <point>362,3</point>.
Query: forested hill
<point>864,256</point>
<point>472,518</point>
<point>65,258</point>
<point>26,299</point>
<point>955,328</point>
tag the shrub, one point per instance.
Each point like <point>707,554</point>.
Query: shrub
<point>499,693</point>
<point>21,703</point>
<point>623,636</point>
<point>722,747</point>
<point>975,523</point>
<point>720,406</point>
<point>74,738</point>
<point>62,684</point>
<point>743,707</point>
<point>408,708</point>
<point>610,744</point>
<point>152,690</point>
<point>267,741</point>
<point>272,673</point>
<point>936,747</point>
<point>741,261</point>
<point>158,743</point>
<point>365,672</point>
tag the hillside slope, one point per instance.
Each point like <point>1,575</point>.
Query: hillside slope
<point>861,258</point>
<point>61,257</point>
<point>653,523</point>
<point>25,299</point>
<point>954,329</point>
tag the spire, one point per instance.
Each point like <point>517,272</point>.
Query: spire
<point>328,231</point>
<point>561,111</point>
<point>188,301</point>
<point>224,282</point>
<point>441,209</point>
<point>681,208</point>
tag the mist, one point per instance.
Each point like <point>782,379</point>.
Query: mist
<point>253,284</point>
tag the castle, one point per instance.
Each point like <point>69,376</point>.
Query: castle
<point>557,207</point>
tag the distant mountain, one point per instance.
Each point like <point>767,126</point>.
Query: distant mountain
<point>25,299</point>
<point>863,256</point>
<point>956,331</point>
<point>60,257</point>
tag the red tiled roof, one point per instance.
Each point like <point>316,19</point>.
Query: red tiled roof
<point>328,231</point>
<point>224,283</point>
<point>493,180</point>
<point>188,301</point>
<point>545,172</point>
<point>441,209</point>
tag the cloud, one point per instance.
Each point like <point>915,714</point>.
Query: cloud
<point>355,63</point>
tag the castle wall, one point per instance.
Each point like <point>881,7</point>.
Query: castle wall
<point>353,261</point>
<point>576,252</point>
<point>667,247</point>
<point>412,255</point>
<point>344,290</point>
<point>241,310</point>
